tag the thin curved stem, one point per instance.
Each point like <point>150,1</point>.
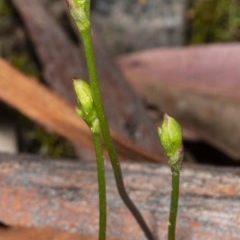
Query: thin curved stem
<point>97,98</point>
<point>101,186</point>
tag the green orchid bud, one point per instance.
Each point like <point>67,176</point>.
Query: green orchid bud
<point>80,11</point>
<point>84,95</point>
<point>86,107</point>
<point>170,135</point>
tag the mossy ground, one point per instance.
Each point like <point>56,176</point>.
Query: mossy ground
<point>214,21</point>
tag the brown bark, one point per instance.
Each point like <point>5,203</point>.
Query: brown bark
<point>63,195</point>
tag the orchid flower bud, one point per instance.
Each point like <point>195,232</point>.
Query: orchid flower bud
<point>86,108</point>
<point>170,135</point>
<point>80,11</point>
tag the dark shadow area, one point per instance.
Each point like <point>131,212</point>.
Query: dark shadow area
<point>204,153</point>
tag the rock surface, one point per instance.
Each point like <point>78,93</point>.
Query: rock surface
<point>63,195</point>
<point>140,24</point>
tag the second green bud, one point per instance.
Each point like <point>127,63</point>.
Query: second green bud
<point>86,108</point>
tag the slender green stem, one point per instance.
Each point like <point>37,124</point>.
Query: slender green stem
<point>170,134</point>
<point>101,186</point>
<point>174,205</point>
<point>97,98</point>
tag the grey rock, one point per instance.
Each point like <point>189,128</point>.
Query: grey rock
<point>132,25</point>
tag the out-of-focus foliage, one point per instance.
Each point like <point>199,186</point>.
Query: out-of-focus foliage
<point>5,9</point>
<point>37,140</point>
<point>23,62</point>
<point>214,21</point>
<point>15,48</point>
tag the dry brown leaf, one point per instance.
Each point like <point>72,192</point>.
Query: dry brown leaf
<point>198,85</point>
<point>46,107</point>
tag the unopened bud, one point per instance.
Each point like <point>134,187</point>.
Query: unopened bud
<point>170,135</point>
<point>86,108</point>
<point>80,11</point>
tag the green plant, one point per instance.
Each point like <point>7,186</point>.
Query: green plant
<point>87,111</point>
<point>80,11</point>
<point>214,20</point>
<point>170,135</point>
<point>92,111</point>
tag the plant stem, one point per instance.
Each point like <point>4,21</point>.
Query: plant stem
<point>101,186</point>
<point>97,98</point>
<point>174,205</point>
<point>170,134</point>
